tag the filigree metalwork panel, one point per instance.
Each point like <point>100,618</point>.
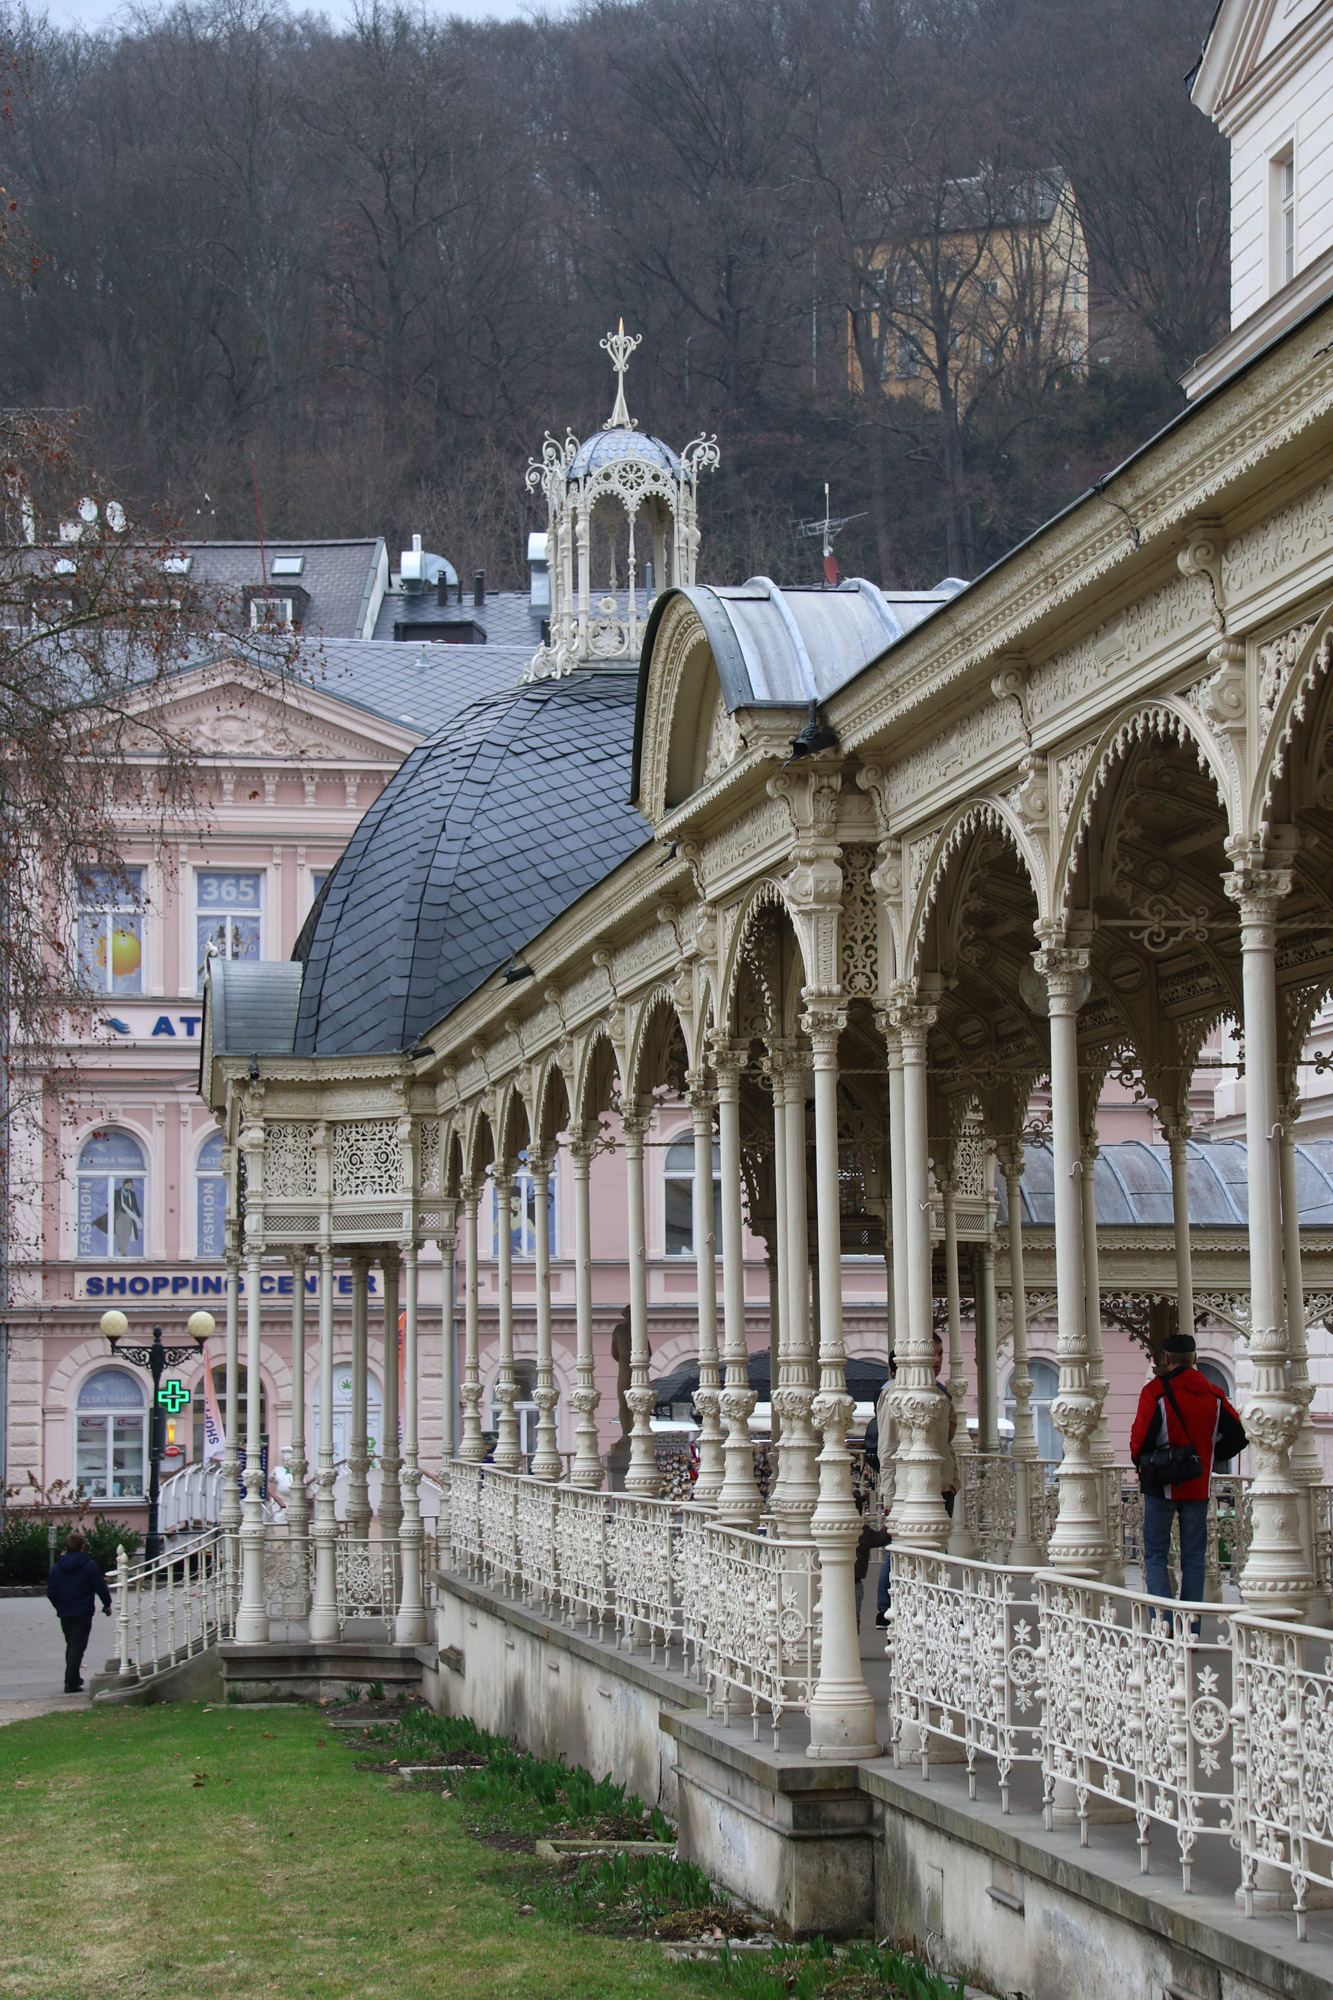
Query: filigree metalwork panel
<point>287,1574</point>
<point>367,1157</point>
<point>537,1542</point>
<point>581,1544</point>
<point>497,1508</point>
<point>1138,1710</point>
<point>466,1552</point>
<point>289,1162</point>
<point>366,1579</point>
<point>639,1538</point>
<point>1284,1756</point>
<point>750,1611</point>
<point>965,1663</point>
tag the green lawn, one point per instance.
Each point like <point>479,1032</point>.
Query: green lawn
<point>178,1852</point>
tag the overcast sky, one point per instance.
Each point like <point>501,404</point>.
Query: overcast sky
<point>96,13</point>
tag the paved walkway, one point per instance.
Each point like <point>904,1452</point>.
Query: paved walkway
<point>32,1659</point>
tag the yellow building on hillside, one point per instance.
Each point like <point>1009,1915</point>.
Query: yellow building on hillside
<point>972,281</point>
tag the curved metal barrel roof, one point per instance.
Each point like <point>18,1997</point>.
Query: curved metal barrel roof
<point>1132,1181</point>
<point>785,647</point>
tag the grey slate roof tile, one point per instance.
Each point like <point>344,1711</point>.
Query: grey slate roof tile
<point>513,811</point>
<point>337,575</point>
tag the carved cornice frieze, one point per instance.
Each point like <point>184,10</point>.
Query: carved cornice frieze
<point>1166,488</point>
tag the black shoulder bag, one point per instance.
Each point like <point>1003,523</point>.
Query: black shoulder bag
<point>1231,1440</point>
<point>1168,1464</point>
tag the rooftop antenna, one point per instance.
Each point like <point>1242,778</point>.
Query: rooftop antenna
<point>826,529</point>
<point>620,346</point>
<point>263,559</point>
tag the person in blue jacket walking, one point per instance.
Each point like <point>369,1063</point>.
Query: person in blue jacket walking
<point>74,1585</point>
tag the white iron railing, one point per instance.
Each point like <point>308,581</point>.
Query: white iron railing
<point>1213,1726</point>
<point>965,1664</point>
<point>990,1487</point>
<point>173,1607</point>
<point>1137,1710</point>
<point>191,1498</point>
<point>368,1576</point>
<point>1283,1756</point>
<point>750,1617</point>
<point>742,1609</point>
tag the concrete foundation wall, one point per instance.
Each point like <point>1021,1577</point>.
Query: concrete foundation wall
<point>558,1693</point>
<point>795,1838</point>
<point>1021,1917</point>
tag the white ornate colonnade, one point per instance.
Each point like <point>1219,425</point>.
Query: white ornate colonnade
<point>1072,822</point>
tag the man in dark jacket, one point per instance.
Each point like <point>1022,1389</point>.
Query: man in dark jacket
<point>1193,1420</point>
<point>74,1585</point>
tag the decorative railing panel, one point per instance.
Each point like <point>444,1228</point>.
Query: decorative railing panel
<point>498,1504</point>
<point>177,1605</point>
<point>583,1577</point>
<point>641,1569</point>
<point>1137,1710</point>
<point>534,1531</point>
<point>1284,1757</point>
<point>744,1610</point>
<point>465,1538</point>
<point>964,1663</point>
<point>750,1617</point>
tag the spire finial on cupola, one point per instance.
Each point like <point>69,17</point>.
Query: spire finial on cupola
<point>620,346</point>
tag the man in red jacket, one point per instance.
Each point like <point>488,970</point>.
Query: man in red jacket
<point>1193,1420</point>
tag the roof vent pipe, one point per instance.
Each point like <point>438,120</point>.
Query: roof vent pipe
<point>442,589</point>
<point>479,587</point>
<point>412,568</point>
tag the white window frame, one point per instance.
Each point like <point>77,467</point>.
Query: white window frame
<point>108,1415</point>
<point>1282,243</point>
<point>120,905</point>
<point>195,912</point>
<point>685,1137</point>
<point>80,1173</point>
<point>278,609</point>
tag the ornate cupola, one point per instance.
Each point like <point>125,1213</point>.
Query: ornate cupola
<point>623,490</point>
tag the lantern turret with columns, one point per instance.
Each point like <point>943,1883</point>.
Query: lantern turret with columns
<point>618,474</point>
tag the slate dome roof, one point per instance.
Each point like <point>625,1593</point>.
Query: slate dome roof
<point>607,447</point>
<point>484,835</point>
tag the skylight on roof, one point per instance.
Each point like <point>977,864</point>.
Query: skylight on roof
<point>177,565</point>
<point>286,566</point>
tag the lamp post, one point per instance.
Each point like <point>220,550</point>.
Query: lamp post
<point>156,1359</point>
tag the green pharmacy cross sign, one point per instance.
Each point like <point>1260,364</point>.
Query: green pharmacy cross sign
<point>173,1396</point>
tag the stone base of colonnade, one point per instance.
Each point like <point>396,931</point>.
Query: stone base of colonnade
<point>1022,1911</point>
<point>862,1848</point>
<point>790,1835</point>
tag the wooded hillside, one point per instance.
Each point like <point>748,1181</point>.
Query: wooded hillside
<point>378,262</point>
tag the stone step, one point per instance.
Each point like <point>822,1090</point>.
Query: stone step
<point>306,1670</point>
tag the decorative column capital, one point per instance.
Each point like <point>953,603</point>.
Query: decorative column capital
<point>823,1022</point>
<point>728,1059</point>
<point>1256,886</point>
<point>634,1122</point>
<point>1064,967</point>
<point>700,1094</point>
<point>912,1021</point>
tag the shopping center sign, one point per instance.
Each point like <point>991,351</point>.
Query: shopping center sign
<point>109,1283</point>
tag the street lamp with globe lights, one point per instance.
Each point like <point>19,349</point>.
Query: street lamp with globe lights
<point>156,1359</point>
